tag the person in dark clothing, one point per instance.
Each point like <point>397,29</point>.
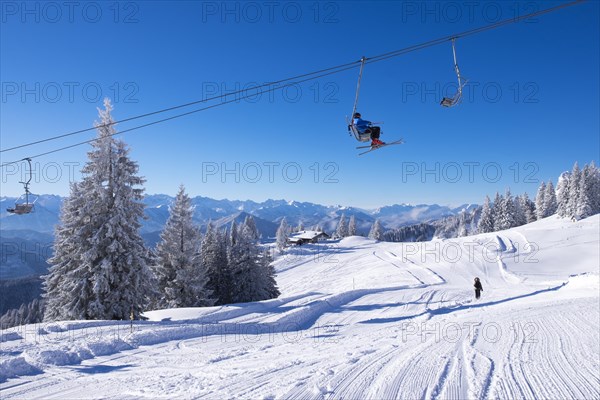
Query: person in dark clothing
<point>365,126</point>
<point>478,288</point>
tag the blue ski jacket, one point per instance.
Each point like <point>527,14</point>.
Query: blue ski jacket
<point>361,124</point>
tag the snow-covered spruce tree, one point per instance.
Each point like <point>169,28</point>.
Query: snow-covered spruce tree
<point>352,226</point>
<point>593,186</point>
<point>520,218</point>
<point>540,203</point>
<point>550,205</point>
<point>562,194</point>
<point>529,208</point>
<point>300,227</point>
<point>214,257</point>
<point>250,281</point>
<point>506,219</point>
<point>282,235</point>
<point>574,192</point>
<point>584,204</point>
<point>377,232</point>
<point>251,224</point>
<point>462,225</point>
<point>267,284</point>
<point>68,287</point>
<point>112,262</point>
<point>182,277</point>
<point>486,221</point>
<point>342,227</point>
<point>497,210</point>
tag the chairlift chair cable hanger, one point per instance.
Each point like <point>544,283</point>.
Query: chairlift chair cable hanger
<point>26,207</point>
<point>353,129</point>
<point>364,137</point>
<point>457,98</point>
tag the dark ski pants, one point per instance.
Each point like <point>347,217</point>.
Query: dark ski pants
<point>477,293</point>
<point>375,131</point>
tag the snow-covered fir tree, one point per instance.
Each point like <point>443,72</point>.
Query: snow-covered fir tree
<point>282,235</point>
<point>462,225</point>
<point>68,285</point>
<point>377,232</point>
<point>529,208</point>
<point>251,224</point>
<point>520,218</point>
<point>562,194</point>
<point>267,287</point>
<point>594,187</point>
<point>352,226</point>
<point>540,203</point>
<point>506,218</point>
<point>497,211</point>
<point>574,192</point>
<point>112,262</point>
<point>342,227</point>
<point>251,281</point>
<point>589,187</point>
<point>214,257</point>
<point>550,204</point>
<point>584,203</point>
<point>182,276</point>
<point>486,221</point>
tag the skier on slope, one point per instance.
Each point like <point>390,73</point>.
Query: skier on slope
<point>365,126</point>
<point>478,288</point>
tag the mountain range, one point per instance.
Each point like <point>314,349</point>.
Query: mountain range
<point>267,214</point>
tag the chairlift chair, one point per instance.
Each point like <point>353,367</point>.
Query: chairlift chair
<point>457,98</point>
<point>25,207</point>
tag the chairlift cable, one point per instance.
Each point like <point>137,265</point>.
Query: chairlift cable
<point>308,76</point>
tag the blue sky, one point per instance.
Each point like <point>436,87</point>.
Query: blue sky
<point>530,109</point>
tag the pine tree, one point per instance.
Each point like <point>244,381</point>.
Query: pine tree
<point>574,192</point>
<point>486,221</point>
<point>112,261</point>
<point>300,227</point>
<point>181,274</point>
<point>282,235</point>
<point>540,202</point>
<point>352,226</point>
<point>562,194</point>
<point>342,228</point>
<point>550,205</point>
<point>377,232</point>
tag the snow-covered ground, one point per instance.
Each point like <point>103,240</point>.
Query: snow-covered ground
<point>356,319</point>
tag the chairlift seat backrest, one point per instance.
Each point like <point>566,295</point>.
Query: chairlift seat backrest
<point>361,137</point>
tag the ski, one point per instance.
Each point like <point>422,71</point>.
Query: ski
<point>376,147</point>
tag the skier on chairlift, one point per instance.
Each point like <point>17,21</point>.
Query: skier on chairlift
<point>365,126</point>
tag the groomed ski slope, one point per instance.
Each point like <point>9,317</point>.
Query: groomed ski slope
<point>356,320</point>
